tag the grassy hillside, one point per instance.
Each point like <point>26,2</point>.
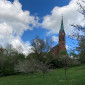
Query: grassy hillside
<point>75,76</point>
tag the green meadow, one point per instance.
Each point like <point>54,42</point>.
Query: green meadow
<point>75,76</point>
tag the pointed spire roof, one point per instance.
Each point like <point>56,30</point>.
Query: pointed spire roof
<point>62,26</point>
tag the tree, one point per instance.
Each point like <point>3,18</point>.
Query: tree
<point>82,7</point>
<point>27,66</point>
<point>81,50</point>
<point>38,47</point>
<point>7,62</point>
<point>80,37</point>
<point>79,27</point>
<point>62,52</point>
<point>66,61</point>
<point>32,65</point>
<point>73,55</point>
<point>41,48</point>
<point>44,68</point>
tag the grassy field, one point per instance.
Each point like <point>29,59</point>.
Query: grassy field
<point>75,76</point>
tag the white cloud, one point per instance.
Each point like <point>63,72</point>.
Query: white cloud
<point>14,21</point>
<point>4,29</point>
<point>13,15</point>
<point>68,47</point>
<point>22,47</point>
<point>55,38</point>
<point>71,15</point>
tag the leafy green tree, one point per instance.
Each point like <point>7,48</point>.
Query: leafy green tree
<point>38,47</point>
<point>66,61</point>
<point>62,52</point>
<point>41,49</point>
<point>81,50</point>
<point>74,55</point>
<point>9,58</point>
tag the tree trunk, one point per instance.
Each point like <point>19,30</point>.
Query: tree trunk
<point>65,73</point>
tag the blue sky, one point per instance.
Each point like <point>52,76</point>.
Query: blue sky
<point>39,8</point>
<point>22,20</point>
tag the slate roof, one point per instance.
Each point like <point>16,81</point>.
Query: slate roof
<point>55,48</point>
<point>62,26</point>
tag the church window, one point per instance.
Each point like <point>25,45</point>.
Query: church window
<point>63,38</point>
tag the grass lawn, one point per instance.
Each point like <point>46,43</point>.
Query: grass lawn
<point>75,76</point>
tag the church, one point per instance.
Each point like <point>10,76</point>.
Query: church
<point>61,43</point>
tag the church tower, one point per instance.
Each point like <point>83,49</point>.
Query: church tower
<point>61,44</point>
<point>62,37</point>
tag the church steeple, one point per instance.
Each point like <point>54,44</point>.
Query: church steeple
<point>61,43</point>
<point>62,26</point>
<point>62,37</point>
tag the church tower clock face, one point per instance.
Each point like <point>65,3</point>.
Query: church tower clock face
<point>62,33</point>
<point>61,38</point>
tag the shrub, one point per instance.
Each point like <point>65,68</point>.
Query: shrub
<point>56,63</point>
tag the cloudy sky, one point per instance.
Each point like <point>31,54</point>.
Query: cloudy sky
<point>22,20</point>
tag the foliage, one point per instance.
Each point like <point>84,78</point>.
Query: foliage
<point>38,45</point>
<point>9,58</point>
<point>31,65</point>
<point>62,52</point>
<point>6,66</point>
<point>76,76</point>
<point>56,63</point>
<point>81,50</point>
<point>66,61</point>
<point>80,36</point>
<point>41,47</point>
<point>74,55</point>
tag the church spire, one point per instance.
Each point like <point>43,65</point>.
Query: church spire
<point>62,26</point>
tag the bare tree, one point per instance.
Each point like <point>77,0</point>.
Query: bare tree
<point>81,3</point>
<point>80,37</point>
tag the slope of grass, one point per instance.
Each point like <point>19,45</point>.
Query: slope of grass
<point>75,76</point>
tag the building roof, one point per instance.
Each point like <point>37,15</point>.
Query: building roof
<point>55,48</point>
<point>62,26</point>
